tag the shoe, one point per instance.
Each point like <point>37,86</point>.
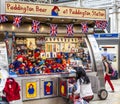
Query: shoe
<point>112,91</point>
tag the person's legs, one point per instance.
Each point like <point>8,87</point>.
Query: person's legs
<point>105,78</point>
<point>109,81</point>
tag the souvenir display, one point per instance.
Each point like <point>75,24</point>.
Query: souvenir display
<point>49,55</point>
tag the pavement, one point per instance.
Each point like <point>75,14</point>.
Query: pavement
<point>113,97</point>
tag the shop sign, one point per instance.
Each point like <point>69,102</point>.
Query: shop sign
<point>51,10</point>
<point>108,35</point>
<point>114,35</point>
<point>31,89</point>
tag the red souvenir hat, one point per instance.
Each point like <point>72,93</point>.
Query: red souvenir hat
<point>30,65</point>
<point>53,66</point>
<point>22,65</point>
<point>19,56</point>
<point>58,55</point>
<point>36,55</point>
<point>55,7</point>
<point>58,65</point>
<point>25,59</point>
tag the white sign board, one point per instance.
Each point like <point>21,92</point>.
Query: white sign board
<point>3,65</point>
<point>3,77</point>
<point>3,56</point>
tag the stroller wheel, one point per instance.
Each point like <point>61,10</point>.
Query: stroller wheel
<point>102,94</point>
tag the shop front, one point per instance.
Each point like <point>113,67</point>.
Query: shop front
<point>46,42</point>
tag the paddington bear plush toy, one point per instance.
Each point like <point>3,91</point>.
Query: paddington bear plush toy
<point>18,61</point>
<point>31,69</point>
<point>21,69</point>
<point>58,59</point>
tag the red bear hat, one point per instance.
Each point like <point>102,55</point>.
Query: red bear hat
<point>55,7</point>
<point>19,56</point>
<point>22,65</point>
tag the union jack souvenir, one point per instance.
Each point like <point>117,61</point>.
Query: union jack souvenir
<point>84,27</point>
<point>101,24</point>
<point>35,26</point>
<point>104,24</point>
<point>17,20</point>
<point>53,30</point>
<point>6,40</point>
<point>98,24</point>
<point>3,18</point>
<point>70,31</point>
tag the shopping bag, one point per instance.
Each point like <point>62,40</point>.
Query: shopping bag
<point>80,101</point>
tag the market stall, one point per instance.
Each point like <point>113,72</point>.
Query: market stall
<point>44,44</point>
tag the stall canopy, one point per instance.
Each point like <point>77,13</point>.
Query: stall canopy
<point>49,14</point>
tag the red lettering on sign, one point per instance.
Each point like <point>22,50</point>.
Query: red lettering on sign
<point>38,9</point>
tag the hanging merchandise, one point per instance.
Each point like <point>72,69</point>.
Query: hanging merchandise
<point>3,18</point>
<point>13,39</point>
<point>84,27</point>
<point>101,24</point>
<point>53,30</point>
<point>17,20</point>
<point>6,41</point>
<point>70,31</point>
<point>35,26</point>
<point>12,90</point>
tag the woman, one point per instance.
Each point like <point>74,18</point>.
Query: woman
<point>107,74</point>
<point>83,85</point>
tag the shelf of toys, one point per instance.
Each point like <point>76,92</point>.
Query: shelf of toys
<point>43,55</point>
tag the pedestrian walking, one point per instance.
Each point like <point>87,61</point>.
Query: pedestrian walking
<point>108,72</point>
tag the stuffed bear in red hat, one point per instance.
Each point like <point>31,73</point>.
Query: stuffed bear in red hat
<point>18,61</point>
<point>47,70</point>
<point>31,69</point>
<point>11,69</point>
<point>36,53</point>
<point>59,58</point>
<point>21,69</point>
<point>53,68</point>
